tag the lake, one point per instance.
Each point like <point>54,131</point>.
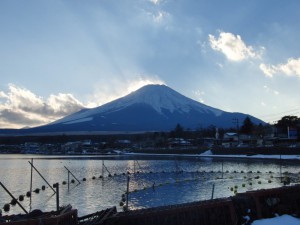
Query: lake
<point>153,180</point>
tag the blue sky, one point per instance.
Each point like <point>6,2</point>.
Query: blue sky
<point>61,55</point>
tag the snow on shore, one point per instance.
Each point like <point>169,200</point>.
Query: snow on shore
<point>209,153</point>
<point>284,219</point>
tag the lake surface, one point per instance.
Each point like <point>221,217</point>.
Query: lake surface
<point>175,180</point>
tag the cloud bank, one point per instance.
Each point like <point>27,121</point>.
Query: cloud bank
<point>20,107</point>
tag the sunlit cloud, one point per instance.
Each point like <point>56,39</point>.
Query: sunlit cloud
<point>291,68</point>
<point>155,2</point>
<point>233,47</point>
<point>20,107</point>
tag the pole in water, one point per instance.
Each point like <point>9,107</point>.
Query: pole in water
<point>68,180</point>
<point>57,196</point>
<point>133,166</point>
<point>280,169</point>
<point>127,192</point>
<point>222,169</point>
<point>41,176</point>
<point>13,198</point>
<point>72,174</point>
<point>102,168</point>
<point>212,193</point>
<point>30,184</point>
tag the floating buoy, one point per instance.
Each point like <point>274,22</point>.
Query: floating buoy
<point>269,181</point>
<point>109,175</point>
<point>115,174</point>
<point>43,187</point>
<point>100,176</point>
<point>123,173</point>
<point>243,185</point>
<point>242,171</point>
<point>6,207</point>
<point>84,179</point>
<point>37,190</point>
<point>93,177</point>
<point>28,194</point>
<point>121,203</point>
<point>258,171</point>
<point>128,172</point>
<point>250,171</point>
<point>250,183</point>
<point>123,199</point>
<point>13,202</point>
<point>54,185</point>
<point>21,198</point>
<point>64,182</point>
<point>259,182</point>
<point>123,195</point>
<point>72,181</point>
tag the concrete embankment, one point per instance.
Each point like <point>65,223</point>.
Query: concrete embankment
<point>242,208</point>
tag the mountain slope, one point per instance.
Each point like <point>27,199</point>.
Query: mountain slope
<point>151,108</point>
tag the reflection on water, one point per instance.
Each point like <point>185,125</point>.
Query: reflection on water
<point>176,180</point>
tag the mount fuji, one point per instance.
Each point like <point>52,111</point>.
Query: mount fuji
<point>150,108</point>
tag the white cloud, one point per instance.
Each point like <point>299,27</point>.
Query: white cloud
<point>263,104</point>
<point>155,2</point>
<point>233,47</point>
<point>20,107</point>
<point>270,90</point>
<point>291,68</point>
<point>159,17</point>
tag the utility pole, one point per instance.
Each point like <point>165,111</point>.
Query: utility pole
<point>236,122</point>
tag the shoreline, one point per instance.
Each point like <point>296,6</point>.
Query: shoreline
<point>206,154</point>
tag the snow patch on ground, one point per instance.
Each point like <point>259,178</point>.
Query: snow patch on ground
<point>284,219</point>
<point>208,152</point>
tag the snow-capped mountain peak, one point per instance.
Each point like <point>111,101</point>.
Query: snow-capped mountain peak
<point>152,107</point>
<point>160,97</point>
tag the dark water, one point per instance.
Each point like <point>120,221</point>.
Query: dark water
<point>176,180</point>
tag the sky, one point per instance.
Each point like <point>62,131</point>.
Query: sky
<point>59,56</point>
